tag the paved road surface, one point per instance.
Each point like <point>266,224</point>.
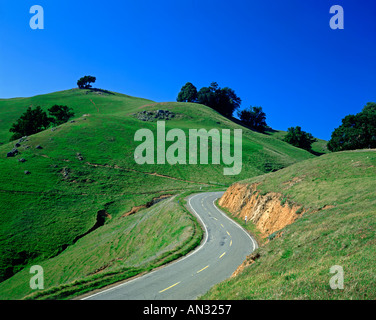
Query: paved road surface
<point>224,248</point>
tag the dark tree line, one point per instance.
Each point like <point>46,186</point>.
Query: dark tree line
<point>224,100</point>
<point>35,120</point>
<point>356,131</point>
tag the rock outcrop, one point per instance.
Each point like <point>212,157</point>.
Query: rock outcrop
<point>268,212</point>
<point>154,115</point>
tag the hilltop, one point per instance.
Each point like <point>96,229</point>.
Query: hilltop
<point>84,187</point>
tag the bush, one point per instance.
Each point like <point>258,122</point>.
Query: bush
<point>283,201</point>
<point>272,236</point>
<point>299,138</point>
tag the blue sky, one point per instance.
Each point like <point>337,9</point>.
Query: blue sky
<point>281,55</point>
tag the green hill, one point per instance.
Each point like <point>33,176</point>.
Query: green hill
<point>86,174</point>
<point>337,192</point>
<point>318,148</point>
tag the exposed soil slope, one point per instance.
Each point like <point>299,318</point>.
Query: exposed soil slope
<point>267,212</point>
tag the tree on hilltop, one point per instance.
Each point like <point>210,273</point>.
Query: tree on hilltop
<point>188,93</point>
<point>84,82</point>
<point>223,100</point>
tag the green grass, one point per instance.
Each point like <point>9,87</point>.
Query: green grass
<point>338,190</point>
<point>116,251</point>
<point>43,212</point>
<point>80,100</point>
<point>318,148</point>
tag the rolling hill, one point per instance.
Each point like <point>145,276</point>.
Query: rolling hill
<point>331,200</point>
<point>319,147</point>
<point>73,212</point>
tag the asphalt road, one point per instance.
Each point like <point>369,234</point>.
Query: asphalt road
<point>224,248</point>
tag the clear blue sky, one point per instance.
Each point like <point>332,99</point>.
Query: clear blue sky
<point>281,55</point>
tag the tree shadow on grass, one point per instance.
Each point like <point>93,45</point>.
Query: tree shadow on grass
<point>100,90</point>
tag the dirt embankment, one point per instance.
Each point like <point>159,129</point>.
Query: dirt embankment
<point>268,212</point>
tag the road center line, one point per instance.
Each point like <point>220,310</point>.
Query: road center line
<point>190,255</point>
<point>222,255</point>
<point>228,233</point>
<point>202,269</point>
<point>255,245</point>
<point>170,287</point>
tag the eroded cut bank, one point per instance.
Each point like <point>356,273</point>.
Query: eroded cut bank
<point>269,213</point>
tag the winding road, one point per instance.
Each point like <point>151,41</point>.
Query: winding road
<point>224,248</point>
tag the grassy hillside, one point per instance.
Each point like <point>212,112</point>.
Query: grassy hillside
<point>87,166</point>
<point>318,148</point>
<point>82,101</point>
<point>118,250</point>
<point>338,191</point>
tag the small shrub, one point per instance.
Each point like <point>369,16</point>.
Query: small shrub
<point>272,236</point>
<point>287,254</point>
<point>290,277</point>
<point>300,210</point>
